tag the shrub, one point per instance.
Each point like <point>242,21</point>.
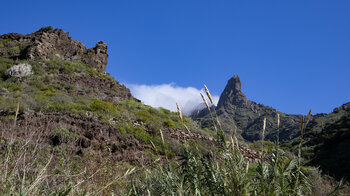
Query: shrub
<point>5,63</point>
<point>103,107</point>
<point>65,133</point>
<point>169,123</point>
<point>45,29</point>
<point>48,91</point>
<point>5,42</point>
<point>14,51</point>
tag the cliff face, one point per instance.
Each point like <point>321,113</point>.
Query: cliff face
<point>52,44</point>
<point>232,94</point>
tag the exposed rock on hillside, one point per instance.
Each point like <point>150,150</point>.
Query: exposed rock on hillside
<point>20,70</point>
<point>232,94</point>
<point>60,64</point>
<point>66,99</point>
<point>52,44</point>
<point>235,109</point>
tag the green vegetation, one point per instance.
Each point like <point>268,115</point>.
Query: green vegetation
<point>5,42</point>
<point>65,133</point>
<point>67,67</point>
<point>14,51</point>
<point>5,63</point>
<point>103,107</point>
<point>171,159</point>
<point>45,29</point>
<point>227,173</point>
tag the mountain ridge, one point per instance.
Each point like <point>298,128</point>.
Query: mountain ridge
<point>234,108</point>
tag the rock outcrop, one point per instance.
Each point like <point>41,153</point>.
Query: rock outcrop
<point>52,44</point>
<point>64,62</point>
<point>19,71</point>
<point>232,94</point>
<point>234,109</point>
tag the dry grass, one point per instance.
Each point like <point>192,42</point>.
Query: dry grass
<point>205,101</point>
<point>208,94</point>
<point>31,166</point>
<point>179,111</point>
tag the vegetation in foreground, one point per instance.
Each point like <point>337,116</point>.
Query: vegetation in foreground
<point>32,167</point>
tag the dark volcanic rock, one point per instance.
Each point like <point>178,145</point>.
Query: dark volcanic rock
<point>235,109</point>
<point>232,94</point>
<point>345,107</point>
<point>52,44</point>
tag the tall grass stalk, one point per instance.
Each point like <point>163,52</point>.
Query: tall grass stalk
<point>219,132</point>
<point>278,129</point>
<point>181,118</point>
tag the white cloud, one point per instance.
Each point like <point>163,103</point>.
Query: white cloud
<point>166,96</point>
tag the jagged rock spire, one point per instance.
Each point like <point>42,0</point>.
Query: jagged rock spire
<point>232,94</point>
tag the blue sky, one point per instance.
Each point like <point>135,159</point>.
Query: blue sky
<point>291,55</point>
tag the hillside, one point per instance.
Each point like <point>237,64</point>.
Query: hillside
<point>57,101</point>
<point>235,109</point>
<point>69,128</point>
<point>326,142</point>
<point>331,151</point>
<point>325,139</point>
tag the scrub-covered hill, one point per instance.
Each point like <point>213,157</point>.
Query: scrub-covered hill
<point>59,107</point>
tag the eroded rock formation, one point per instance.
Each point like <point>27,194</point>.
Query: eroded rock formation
<point>52,44</point>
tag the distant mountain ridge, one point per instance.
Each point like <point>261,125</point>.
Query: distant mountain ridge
<point>235,109</point>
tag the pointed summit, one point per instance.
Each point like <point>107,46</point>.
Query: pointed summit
<point>235,83</point>
<point>232,94</point>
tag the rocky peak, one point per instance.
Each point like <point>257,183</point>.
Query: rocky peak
<point>52,44</point>
<point>232,94</point>
<point>345,107</point>
<point>235,83</point>
<point>235,109</point>
<point>99,54</point>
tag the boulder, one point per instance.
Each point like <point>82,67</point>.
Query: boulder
<point>19,71</point>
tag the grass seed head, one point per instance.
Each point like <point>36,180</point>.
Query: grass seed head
<point>278,120</point>
<point>179,111</point>
<point>309,116</point>
<point>205,101</point>
<point>233,143</point>
<point>161,135</point>
<point>264,127</point>
<point>208,94</point>
<point>247,167</point>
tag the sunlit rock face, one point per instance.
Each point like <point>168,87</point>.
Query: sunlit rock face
<point>52,44</point>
